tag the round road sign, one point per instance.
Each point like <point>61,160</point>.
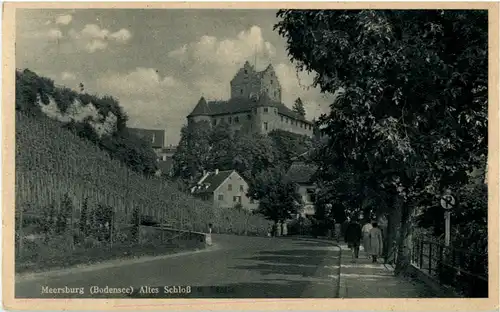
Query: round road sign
<point>447,201</point>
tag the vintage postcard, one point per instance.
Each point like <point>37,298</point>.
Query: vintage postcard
<point>250,156</point>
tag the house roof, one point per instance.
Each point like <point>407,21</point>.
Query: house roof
<point>153,136</point>
<point>301,172</point>
<point>212,182</point>
<point>242,105</point>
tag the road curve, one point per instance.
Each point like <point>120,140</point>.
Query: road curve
<point>240,267</point>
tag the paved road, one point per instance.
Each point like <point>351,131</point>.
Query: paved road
<point>241,267</point>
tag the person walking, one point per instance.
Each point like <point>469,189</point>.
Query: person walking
<point>376,242</point>
<point>337,231</point>
<point>366,238</point>
<point>278,226</point>
<point>353,237</point>
<point>285,229</point>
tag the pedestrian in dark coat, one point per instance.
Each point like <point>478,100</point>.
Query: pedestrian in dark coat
<point>353,237</point>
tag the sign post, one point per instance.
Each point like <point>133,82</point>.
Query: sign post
<point>447,202</point>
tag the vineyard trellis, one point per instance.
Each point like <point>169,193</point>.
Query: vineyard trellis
<point>52,162</point>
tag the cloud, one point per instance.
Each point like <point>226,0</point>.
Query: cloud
<point>64,19</point>
<point>93,38</point>
<point>299,84</point>
<point>52,34</point>
<point>230,51</point>
<point>123,35</point>
<point>212,62</point>
<point>144,82</point>
<point>67,76</point>
<point>150,99</point>
<point>95,45</point>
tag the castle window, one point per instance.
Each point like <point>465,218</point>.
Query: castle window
<point>214,122</point>
<point>229,187</point>
<point>272,83</point>
<point>230,120</point>
<point>221,197</point>
<point>236,119</point>
<point>241,91</point>
<point>241,188</point>
<point>249,116</point>
<point>265,109</point>
<point>286,120</point>
<point>265,126</point>
<point>246,71</point>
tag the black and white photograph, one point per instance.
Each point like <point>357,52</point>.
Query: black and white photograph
<point>259,153</point>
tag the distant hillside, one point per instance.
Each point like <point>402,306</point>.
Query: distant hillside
<point>100,120</point>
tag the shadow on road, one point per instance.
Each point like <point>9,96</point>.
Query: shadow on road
<point>302,273</point>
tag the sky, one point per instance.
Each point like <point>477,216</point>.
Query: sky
<point>158,62</point>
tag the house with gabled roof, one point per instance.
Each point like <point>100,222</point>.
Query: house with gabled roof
<point>302,174</point>
<point>255,105</point>
<point>225,189</point>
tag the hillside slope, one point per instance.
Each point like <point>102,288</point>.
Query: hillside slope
<point>52,161</point>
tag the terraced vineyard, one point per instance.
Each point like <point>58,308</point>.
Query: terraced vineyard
<point>52,162</point>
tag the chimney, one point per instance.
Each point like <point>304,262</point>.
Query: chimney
<point>216,171</point>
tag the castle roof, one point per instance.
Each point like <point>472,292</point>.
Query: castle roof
<point>242,105</point>
<point>201,109</point>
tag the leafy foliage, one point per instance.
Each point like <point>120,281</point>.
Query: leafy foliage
<point>278,200</point>
<point>203,147</point>
<point>410,118</point>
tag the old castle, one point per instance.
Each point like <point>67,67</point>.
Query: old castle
<point>255,105</point>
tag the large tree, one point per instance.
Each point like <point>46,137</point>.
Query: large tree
<point>192,154</point>
<point>411,114</point>
<point>278,199</point>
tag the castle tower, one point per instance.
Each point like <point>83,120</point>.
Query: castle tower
<point>266,114</point>
<point>201,112</point>
<point>270,84</point>
<point>248,82</point>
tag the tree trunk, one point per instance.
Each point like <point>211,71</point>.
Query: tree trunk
<point>404,239</point>
<point>394,221</point>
